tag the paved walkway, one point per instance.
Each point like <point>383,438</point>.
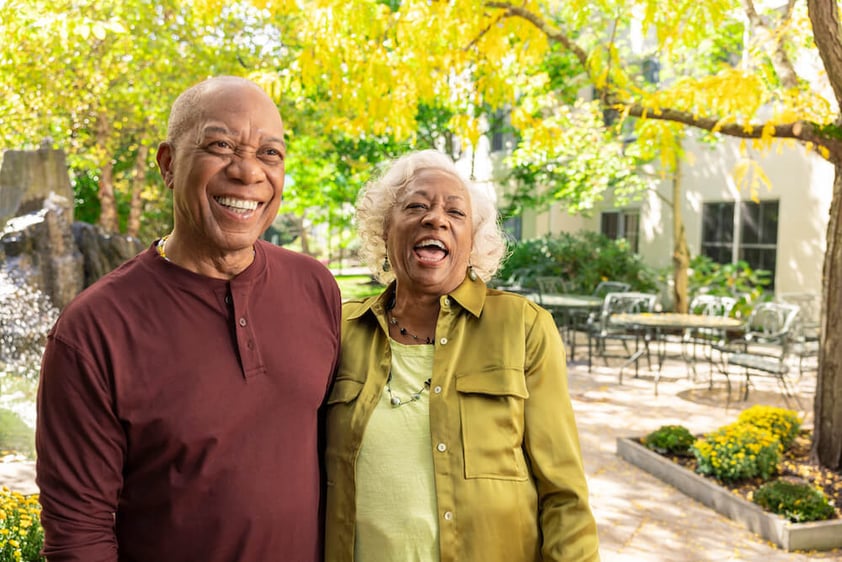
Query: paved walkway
<point>640,518</point>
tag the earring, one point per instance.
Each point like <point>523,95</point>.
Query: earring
<point>386,266</point>
<point>472,275</point>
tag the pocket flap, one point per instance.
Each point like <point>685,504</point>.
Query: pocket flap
<point>500,382</point>
<point>344,390</point>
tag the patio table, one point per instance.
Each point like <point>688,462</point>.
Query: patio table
<point>565,306</point>
<point>662,321</point>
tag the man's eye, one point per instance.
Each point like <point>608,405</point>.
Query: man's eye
<point>221,146</point>
<point>272,155</point>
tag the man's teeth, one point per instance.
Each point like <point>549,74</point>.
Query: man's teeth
<point>237,205</point>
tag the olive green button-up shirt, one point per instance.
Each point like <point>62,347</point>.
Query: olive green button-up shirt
<point>510,484</point>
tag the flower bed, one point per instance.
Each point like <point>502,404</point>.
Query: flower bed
<point>732,497</point>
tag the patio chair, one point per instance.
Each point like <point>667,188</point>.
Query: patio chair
<point>605,287</point>
<point>693,338</point>
<point>552,285</point>
<point>805,333</point>
<point>763,348</point>
<point>577,320</point>
<point>601,330</point>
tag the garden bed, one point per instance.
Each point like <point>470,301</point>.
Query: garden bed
<point>819,535</point>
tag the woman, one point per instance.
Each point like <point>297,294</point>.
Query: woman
<point>450,430</point>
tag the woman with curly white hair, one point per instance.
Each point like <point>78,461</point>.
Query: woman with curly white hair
<point>450,432</point>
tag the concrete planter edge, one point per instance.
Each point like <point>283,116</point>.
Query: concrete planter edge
<point>818,535</point>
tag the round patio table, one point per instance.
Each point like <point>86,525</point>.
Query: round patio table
<point>661,321</point>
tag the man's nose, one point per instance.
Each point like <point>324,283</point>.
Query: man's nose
<point>246,167</point>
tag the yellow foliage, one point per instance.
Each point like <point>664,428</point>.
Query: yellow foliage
<point>749,175</point>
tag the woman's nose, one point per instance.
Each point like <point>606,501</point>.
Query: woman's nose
<point>434,217</point>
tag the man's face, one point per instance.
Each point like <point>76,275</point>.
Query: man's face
<point>227,169</point>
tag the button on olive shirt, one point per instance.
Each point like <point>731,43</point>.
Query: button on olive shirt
<point>510,484</point>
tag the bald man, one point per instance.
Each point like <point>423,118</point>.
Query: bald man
<point>179,405</point>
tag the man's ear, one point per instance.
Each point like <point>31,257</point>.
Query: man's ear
<point>165,162</point>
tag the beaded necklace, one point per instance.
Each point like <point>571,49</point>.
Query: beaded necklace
<point>396,400</point>
<point>403,331</point>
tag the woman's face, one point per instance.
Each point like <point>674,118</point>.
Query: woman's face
<point>429,233</point>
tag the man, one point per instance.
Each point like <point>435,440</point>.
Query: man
<point>179,403</point>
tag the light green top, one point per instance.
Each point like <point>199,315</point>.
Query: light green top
<point>396,499</point>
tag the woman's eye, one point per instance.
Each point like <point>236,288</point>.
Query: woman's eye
<point>457,212</point>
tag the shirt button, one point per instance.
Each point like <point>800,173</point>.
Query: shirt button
<point>448,515</point>
<point>250,344</point>
<point>443,341</point>
<point>446,302</point>
<point>227,299</point>
<point>437,390</point>
<point>243,322</point>
<point>441,447</point>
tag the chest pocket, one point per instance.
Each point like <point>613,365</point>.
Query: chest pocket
<point>491,405</point>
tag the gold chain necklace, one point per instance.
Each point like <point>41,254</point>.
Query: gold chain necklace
<point>162,247</point>
<point>396,400</point>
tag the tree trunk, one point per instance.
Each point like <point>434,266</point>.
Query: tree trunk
<point>680,252</point>
<point>827,415</point>
<point>138,183</point>
<point>107,202</point>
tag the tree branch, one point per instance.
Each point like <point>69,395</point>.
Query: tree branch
<point>802,131</point>
<point>777,55</point>
<point>551,32</point>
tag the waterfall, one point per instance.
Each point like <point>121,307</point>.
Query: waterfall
<point>26,316</point>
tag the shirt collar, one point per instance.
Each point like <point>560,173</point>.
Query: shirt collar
<point>470,295</point>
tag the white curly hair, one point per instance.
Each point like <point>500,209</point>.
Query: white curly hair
<point>379,196</point>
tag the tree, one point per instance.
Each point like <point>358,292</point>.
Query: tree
<point>492,53</point>
<point>98,78</point>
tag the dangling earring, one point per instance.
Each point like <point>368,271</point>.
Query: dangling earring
<point>472,275</point>
<point>386,266</point>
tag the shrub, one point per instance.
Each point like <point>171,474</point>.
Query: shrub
<point>21,536</point>
<point>784,424</point>
<point>582,260</point>
<point>798,502</point>
<point>675,439</point>
<point>729,279</point>
<point>738,451</point>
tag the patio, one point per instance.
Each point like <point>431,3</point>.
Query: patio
<point>641,518</point>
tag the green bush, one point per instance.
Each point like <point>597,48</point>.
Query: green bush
<point>784,424</point>
<point>21,535</point>
<point>736,280</point>
<point>582,260</point>
<point>674,439</point>
<point>798,502</point>
<point>738,451</point>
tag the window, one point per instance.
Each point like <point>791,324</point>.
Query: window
<point>622,224</point>
<point>757,244</point>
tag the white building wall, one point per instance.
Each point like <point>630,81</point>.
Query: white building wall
<point>801,181</point>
